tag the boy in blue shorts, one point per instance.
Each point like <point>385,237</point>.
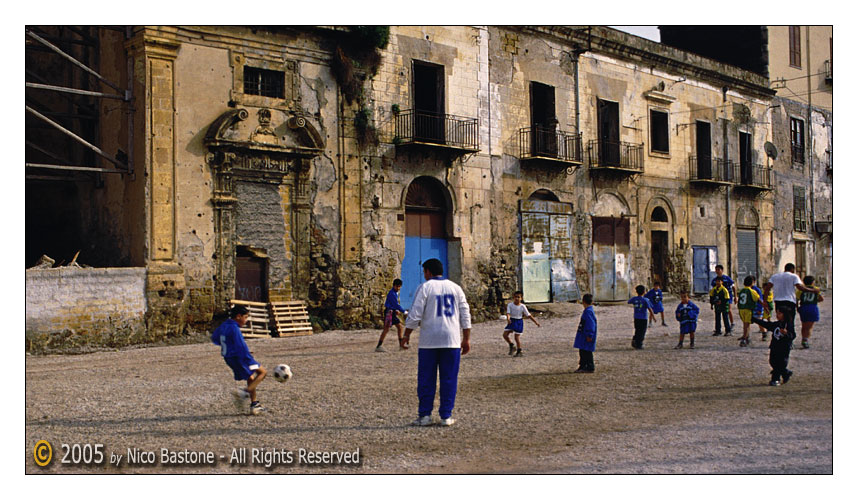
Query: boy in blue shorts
<point>686,314</point>
<point>655,297</point>
<point>391,308</point>
<point>237,356</point>
<point>515,314</point>
<point>808,310</point>
<point>642,305</point>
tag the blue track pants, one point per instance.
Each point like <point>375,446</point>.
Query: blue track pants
<point>430,363</point>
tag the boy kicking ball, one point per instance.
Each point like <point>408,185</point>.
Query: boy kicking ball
<point>237,356</point>
<point>515,314</point>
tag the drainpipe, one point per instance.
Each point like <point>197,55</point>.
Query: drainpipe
<point>727,194</point>
<point>810,137</point>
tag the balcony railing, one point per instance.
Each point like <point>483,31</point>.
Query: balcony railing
<point>753,175</point>
<point>705,169</point>
<point>549,143</point>
<point>615,155</point>
<point>413,127</point>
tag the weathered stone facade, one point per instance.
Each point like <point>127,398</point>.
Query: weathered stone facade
<point>289,183</point>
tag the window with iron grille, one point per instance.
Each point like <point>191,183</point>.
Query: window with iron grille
<point>659,136</point>
<point>264,82</point>
<point>795,46</point>
<point>798,209</point>
<point>796,136</point>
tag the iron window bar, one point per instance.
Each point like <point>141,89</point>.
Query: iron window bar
<point>548,142</point>
<point>617,155</point>
<point>706,168</point>
<point>828,70</point>
<point>413,126</point>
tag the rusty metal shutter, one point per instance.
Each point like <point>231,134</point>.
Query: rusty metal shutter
<point>747,254</point>
<point>547,266</point>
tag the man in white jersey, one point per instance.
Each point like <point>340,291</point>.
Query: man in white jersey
<point>783,291</point>
<point>442,313</point>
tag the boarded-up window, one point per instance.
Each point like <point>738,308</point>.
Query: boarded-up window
<point>659,136</point>
<point>799,210</point>
<point>795,46</point>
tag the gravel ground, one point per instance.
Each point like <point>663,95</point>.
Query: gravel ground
<point>654,411</point>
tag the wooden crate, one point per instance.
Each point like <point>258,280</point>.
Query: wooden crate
<point>291,318</point>
<point>257,325</point>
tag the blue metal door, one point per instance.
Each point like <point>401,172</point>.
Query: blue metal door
<point>703,271</point>
<point>424,239</point>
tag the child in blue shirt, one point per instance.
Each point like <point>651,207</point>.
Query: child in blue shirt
<point>686,314</point>
<point>237,356</point>
<point>391,308</point>
<point>642,305</point>
<point>655,297</point>
<point>585,339</point>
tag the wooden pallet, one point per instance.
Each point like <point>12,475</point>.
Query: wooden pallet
<point>291,318</point>
<point>257,325</point>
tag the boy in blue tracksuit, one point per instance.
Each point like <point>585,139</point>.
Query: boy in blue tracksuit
<point>391,308</point>
<point>642,305</point>
<point>585,339</point>
<point>237,356</point>
<point>686,314</point>
<point>655,297</point>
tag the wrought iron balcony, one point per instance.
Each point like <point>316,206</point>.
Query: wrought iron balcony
<point>708,170</point>
<point>549,144</point>
<point>753,176</point>
<point>413,127</point>
<point>615,156</point>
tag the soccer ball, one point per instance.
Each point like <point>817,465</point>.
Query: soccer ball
<point>282,373</point>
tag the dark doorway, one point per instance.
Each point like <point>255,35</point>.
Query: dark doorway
<point>659,257</point>
<point>704,151</point>
<point>747,173</point>
<point>543,120</point>
<point>609,132</point>
<point>428,102</point>
<point>251,275</point>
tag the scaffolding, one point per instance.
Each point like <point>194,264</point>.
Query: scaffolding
<point>64,91</point>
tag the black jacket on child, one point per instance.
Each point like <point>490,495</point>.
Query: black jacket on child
<point>779,348</point>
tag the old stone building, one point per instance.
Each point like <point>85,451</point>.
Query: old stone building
<point>319,163</point>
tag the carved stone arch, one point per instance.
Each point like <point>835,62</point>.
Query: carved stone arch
<point>543,194</point>
<point>746,216</point>
<point>660,201</point>
<point>428,186</point>
<point>610,203</point>
<point>259,151</point>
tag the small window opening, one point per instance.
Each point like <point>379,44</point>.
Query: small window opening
<point>264,82</point>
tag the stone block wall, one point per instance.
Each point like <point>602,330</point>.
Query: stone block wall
<point>91,303</point>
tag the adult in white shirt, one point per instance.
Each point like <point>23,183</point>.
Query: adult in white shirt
<point>442,313</point>
<point>783,293</point>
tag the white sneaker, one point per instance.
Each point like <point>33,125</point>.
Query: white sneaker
<point>380,349</point>
<point>423,421</point>
<point>447,422</point>
<point>240,398</point>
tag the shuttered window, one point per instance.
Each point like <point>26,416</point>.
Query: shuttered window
<point>799,210</point>
<point>795,46</point>
<point>659,136</point>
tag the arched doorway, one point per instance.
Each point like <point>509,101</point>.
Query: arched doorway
<point>426,209</point>
<point>747,224</point>
<point>611,248</point>
<point>547,266</point>
<point>659,245</point>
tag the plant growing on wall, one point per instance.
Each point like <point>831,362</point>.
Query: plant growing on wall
<point>357,58</point>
